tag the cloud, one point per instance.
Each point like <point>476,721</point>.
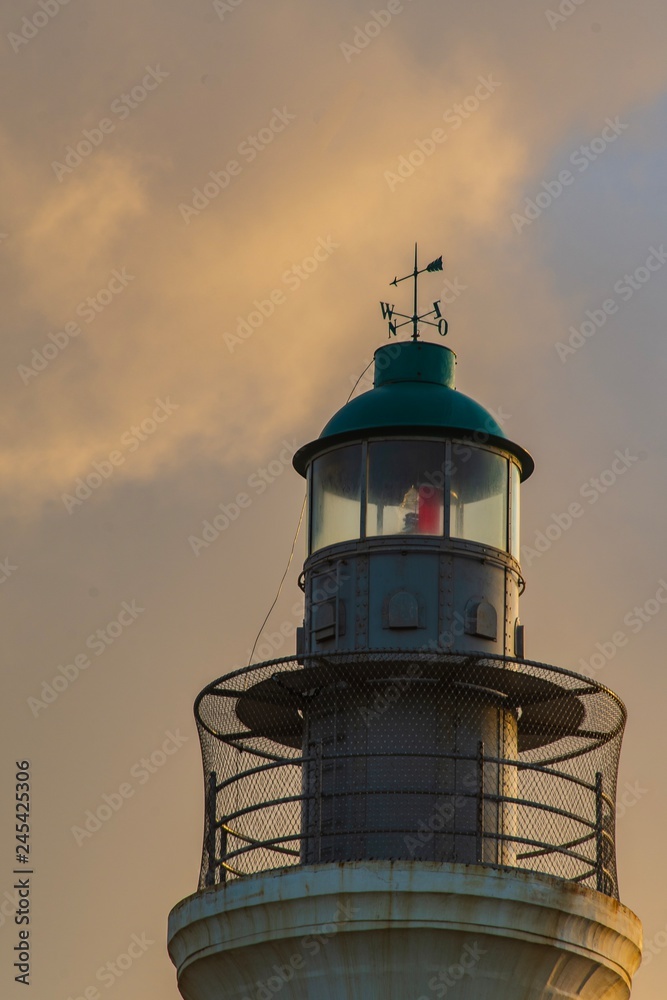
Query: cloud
<point>323,175</point>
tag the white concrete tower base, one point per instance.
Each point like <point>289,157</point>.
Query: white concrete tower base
<point>403,931</point>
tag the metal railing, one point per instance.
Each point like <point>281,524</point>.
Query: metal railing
<point>276,797</point>
<point>591,867</point>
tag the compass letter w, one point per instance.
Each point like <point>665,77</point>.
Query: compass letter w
<point>387,313</point>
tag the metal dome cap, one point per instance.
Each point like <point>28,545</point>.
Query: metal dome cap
<point>414,391</point>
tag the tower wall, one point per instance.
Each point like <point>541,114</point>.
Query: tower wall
<point>403,931</point>
<point>376,781</point>
<point>370,786</point>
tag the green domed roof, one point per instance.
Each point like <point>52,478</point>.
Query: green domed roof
<point>413,393</point>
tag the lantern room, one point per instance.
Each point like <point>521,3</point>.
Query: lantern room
<point>402,486</point>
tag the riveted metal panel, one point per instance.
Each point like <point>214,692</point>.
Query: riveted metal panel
<point>416,573</point>
<point>446,593</point>
<point>442,575</point>
<point>511,610</point>
<point>361,602</point>
<point>476,579</point>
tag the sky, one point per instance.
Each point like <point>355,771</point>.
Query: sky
<point>169,173</point>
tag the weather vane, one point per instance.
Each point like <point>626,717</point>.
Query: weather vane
<point>388,311</point>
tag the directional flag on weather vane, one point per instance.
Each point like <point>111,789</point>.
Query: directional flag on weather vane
<point>388,311</point>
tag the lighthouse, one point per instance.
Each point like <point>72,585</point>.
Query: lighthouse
<point>408,807</point>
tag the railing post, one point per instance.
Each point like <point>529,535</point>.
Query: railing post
<point>318,797</point>
<point>599,833</point>
<point>211,796</point>
<point>480,803</point>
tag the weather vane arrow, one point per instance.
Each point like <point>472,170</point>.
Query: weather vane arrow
<point>388,311</point>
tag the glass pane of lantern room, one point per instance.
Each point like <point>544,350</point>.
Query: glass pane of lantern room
<point>516,510</point>
<point>479,497</point>
<point>405,488</point>
<point>336,497</point>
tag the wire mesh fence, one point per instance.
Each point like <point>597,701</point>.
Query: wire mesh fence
<point>430,756</point>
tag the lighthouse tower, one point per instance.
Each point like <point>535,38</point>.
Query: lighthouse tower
<point>408,807</point>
